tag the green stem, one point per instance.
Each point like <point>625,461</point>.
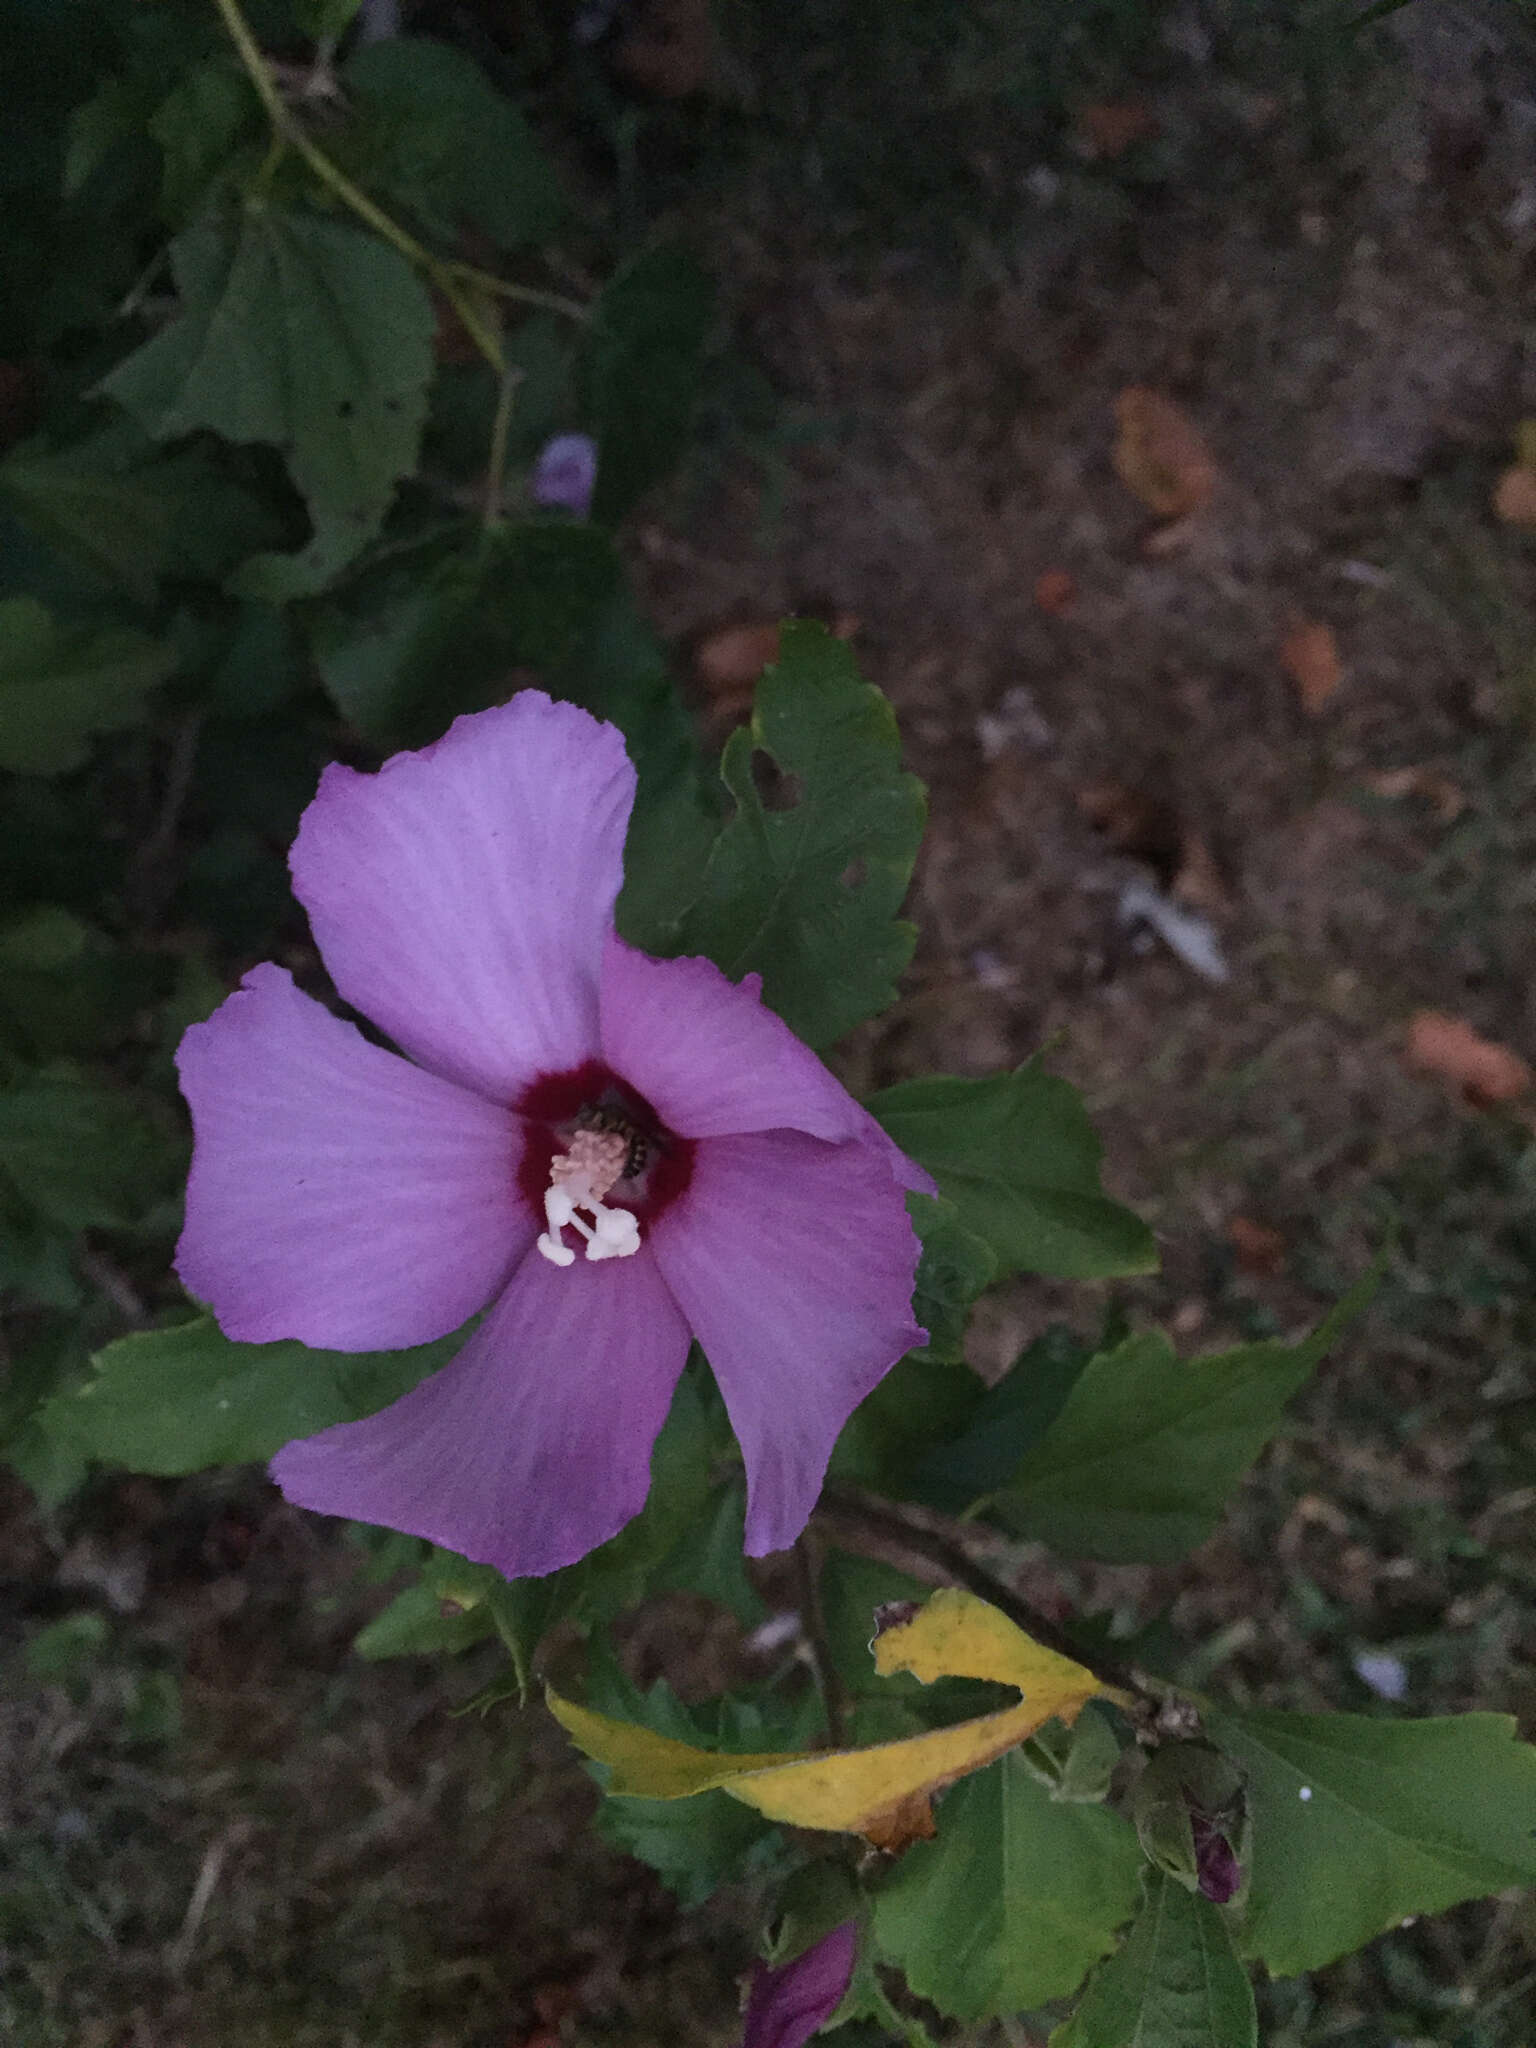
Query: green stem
<point>461,284</point>
<point>496,460</point>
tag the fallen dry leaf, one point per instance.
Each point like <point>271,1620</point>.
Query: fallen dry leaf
<point>882,1792</point>
<point>1482,1072</point>
<point>1108,128</point>
<point>1446,798</point>
<point>1514,496</point>
<point>1199,881</point>
<point>1055,592</point>
<point>1161,455</point>
<point>1258,1249</point>
<point>1137,823</point>
<point>728,662</point>
<point>671,49</point>
<point>1309,654</point>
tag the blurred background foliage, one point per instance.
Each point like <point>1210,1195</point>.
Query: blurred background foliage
<point>265,501</point>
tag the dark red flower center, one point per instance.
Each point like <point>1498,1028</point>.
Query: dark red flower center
<point>657,1164</point>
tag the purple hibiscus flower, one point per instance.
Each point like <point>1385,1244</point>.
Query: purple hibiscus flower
<point>786,2006</point>
<point>615,1153</point>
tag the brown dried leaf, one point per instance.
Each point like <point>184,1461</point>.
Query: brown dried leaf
<point>1055,592</point>
<point>729,661</point>
<point>1108,128</point>
<point>1482,1072</point>
<point>1514,496</point>
<point>1161,455</point>
<point>1136,823</point>
<point>1199,881</point>
<point>1446,798</point>
<point>671,49</point>
<point>1258,1248</point>
<point>910,1820</point>
<point>1309,654</point>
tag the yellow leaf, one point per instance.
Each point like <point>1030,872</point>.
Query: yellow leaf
<point>880,1792</point>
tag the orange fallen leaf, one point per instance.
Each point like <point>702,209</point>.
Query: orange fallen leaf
<point>1514,496</point>
<point>1108,128</point>
<point>728,662</point>
<point>1055,592</point>
<point>1161,455</point>
<point>1483,1072</point>
<point>1446,798</point>
<point>1309,654</point>
<point>1258,1248</point>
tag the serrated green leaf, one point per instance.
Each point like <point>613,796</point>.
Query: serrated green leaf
<point>81,1155</point>
<point>440,137</point>
<point>1147,1447</point>
<point>693,1845</point>
<point>1007,1420</point>
<point>179,1400</point>
<point>1357,1822</point>
<point>309,336</point>
<point>807,896</point>
<point>641,371</point>
<point>1176,1982</point>
<point>1017,1898</point>
<point>1018,1157</point>
<point>58,687</point>
<point>956,1267</point>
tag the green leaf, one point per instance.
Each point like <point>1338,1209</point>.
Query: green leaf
<point>442,138</point>
<point>414,1624</point>
<point>1138,1465</point>
<point>179,1400</point>
<point>888,1436</point>
<point>644,348</point>
<point>956,1266</point>
<point>59,686</point>
<point>82,1156</point>
<point>693,1845</point>
<point>323,20</point>
<point>1018,1157</point>
<point>118,524</point>
<point>807,896</point>
<point>1008,1420</point>
<point>1175,1983</point>
<point>198,126</point>
<point>1017,1898</point>
<point>307,335</point>
<point>1358,1822</point>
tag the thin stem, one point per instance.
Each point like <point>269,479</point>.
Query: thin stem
<point>949,1553</point>
<point>829,1683</point>
<point>461,284</point>
<point>496,460</point>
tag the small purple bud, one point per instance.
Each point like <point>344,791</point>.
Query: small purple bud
<point>787,2005</point>
<point>566,472</point>
<point>1217,1870</point>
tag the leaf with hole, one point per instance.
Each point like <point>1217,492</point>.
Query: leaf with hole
<point>807,895</point>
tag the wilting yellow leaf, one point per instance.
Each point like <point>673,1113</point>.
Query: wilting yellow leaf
<point>881,1792</point>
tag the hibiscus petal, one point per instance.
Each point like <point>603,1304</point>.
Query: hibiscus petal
<point>707,1056</point>
<point>793,1261</point>
<point>338,1194</point>
<point>787,2005</point>
<point>534,1444</point>
<point>460,896</point>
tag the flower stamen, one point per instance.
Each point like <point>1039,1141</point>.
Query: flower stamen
<point>578,1180</point>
